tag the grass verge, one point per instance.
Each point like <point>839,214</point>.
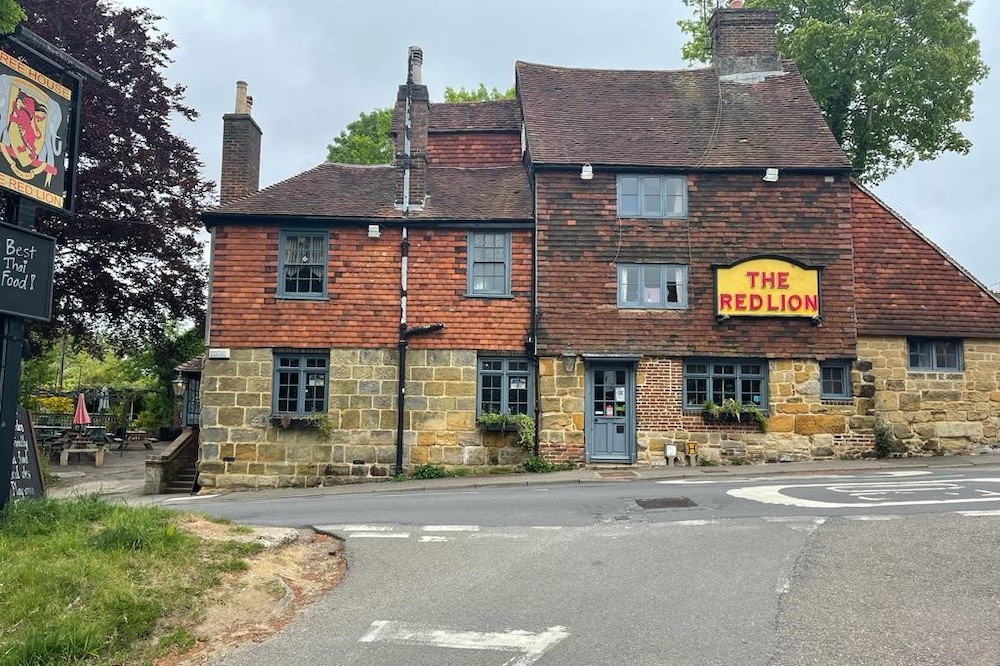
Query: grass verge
<point>87,581</point>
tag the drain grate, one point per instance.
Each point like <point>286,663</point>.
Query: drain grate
<point>665,503</point>
<point>618,474</point>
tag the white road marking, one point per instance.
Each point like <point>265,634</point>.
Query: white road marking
<point>362,528</point>
<point>546,527</point>
<point>993,512</point>
<point>864,491</point>
<point>873,518</point>
<point>911,472</point>
<point>692,523</point>
<point>379,535</point>
<point>450,528</point>
<point>433,539</point>
<point>532,646</point>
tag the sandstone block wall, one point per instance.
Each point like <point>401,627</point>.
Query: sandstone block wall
<point>242,448</point>
<point>934,412</point>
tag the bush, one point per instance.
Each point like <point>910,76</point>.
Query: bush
<point>428,471</point>
<point>884,441</point>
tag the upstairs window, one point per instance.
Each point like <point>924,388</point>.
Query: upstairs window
<point>489,264</point>
<point>652,196</point>
<point>300,382</point>
<point>652,286</point>
<point>932,354</point>
<point>505,386</point>
<point>302,261</point>
<point>835,380</point>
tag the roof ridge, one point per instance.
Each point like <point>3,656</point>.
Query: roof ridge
<point>695,70</point>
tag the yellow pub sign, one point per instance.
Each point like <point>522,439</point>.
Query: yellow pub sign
<point>767,287</point>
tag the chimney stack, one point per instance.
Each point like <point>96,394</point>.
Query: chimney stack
<point>240,150</point>
<point>744,43</point>
<point>413,109</point>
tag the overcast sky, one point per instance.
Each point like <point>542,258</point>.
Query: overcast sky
<point>313,65</point>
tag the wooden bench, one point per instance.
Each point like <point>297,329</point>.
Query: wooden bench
<point>66,453</point>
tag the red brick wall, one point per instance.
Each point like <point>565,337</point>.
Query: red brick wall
<point>731,216</point>
<point>240,157</point>
<point>479,149</point>
<point>363,305</point>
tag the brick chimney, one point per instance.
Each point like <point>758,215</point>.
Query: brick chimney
<point>412,110</point>
<point>744,43</point>
<point>240,150</point>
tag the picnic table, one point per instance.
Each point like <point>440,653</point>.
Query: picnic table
<point>135,436</point>
<point>79,443</point>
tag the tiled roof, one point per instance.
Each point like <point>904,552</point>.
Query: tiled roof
<point>672,118</point>
<point>906,285</point>
<point>495,116</point>
<point>363,192</point>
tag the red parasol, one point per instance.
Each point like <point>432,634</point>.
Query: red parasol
<point>81,416</point>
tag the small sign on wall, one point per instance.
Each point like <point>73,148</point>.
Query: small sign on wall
<point>219,353</point>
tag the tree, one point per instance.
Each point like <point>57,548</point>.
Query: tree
<point>480,94</point>
<point>367,140</point>
<point>10,15</point>
<point>130,259</point>
<point>892,78</point>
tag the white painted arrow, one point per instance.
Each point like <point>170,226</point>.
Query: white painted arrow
<point>532,645</point>
<point>777,494</point>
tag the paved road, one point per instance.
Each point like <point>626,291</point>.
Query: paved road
<point>782,571</point>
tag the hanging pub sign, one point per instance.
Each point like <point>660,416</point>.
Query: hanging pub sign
<point>768,286</point>
<point>35,112</point>
<point>26,265</point>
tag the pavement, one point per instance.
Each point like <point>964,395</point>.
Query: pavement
<point>122,475</point>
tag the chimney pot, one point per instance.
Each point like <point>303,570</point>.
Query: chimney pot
<point>415,65</point>
<point>240,150</point>
<point>243,102</point>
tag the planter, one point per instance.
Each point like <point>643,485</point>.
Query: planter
<point>498,427</point>
<point>748,418</point>
<point>294,422</point>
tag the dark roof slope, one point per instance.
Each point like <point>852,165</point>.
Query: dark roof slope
<point>502,115</point>
<point>672,118</point>
<point>365,192</point>
<point>906,285</point>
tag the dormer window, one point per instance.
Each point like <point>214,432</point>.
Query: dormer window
<point>652,196</point>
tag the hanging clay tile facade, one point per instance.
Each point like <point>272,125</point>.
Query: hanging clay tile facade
<point>642,263</point>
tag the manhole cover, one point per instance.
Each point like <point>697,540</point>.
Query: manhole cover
<point>665,503</point>
<point>618,474</point>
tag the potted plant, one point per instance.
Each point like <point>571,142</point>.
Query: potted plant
<point>321,422</point>
<point>522,424</point>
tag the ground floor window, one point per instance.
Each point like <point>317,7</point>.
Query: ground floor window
<point>835,380</point>
<point>505,386</point>
<point>934,354</point>
<point>718,380</point>
<point>300,382</point>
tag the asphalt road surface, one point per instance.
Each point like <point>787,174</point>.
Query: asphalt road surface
<point>896,569</point>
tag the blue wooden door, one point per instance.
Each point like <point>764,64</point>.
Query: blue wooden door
<point>610,429</point>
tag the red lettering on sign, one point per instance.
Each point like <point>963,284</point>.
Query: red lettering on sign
<point>794,302</point>
<point>741,301</point>
<point>782,280</point>
<point>753,278</point>
<point>756,301</point>
<point>812,302</point>
<point>725,301</point>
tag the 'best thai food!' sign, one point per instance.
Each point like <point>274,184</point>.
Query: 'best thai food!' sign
<point>767,287</point>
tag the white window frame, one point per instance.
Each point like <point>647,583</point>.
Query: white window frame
<point>645,291</point>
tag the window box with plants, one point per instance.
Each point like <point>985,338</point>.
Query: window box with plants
<point>733,411</point>
<point>320,422</point>
<point>522,424</point>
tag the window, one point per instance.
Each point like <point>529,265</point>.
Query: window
<point>932,354</point>
<point>652,196</point>
<point>652,286</point>
<point>300,381</point>
<point>720,380</point>
<point>489,264</point>
<point>835,380</point>
<point>505,386</point>
<point>302,259</point>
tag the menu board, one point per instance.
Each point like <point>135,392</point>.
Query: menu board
<point>25,472</point>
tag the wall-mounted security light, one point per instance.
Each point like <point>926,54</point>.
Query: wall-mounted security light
<point>374,231</point>
<point>771,175</point>
<point>569,360</point>
<point>587,172</point>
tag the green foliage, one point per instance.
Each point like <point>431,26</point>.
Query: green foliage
<point>885,443</point>
<point>10,15</point>
<point>539,465</point>
<point>94,579</point>
<point>365,141</point>
<point>522,424</point>
<point>428,471</point>
<point>892,78</point>
<point>707,462</point>
<point>480,94</point>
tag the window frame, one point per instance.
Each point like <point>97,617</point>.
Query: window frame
<point>505,373</point>
<point>471,263</point>
<point>682,289</point>
<point>283,238</point>
<point>933,354</point>
<point>303,356</point>
<point>642,182</point>
<point>738,377</point>
<point>844,366</point>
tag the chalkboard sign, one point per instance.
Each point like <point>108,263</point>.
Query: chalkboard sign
<point>26,266</point>
<point>25,473</point>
